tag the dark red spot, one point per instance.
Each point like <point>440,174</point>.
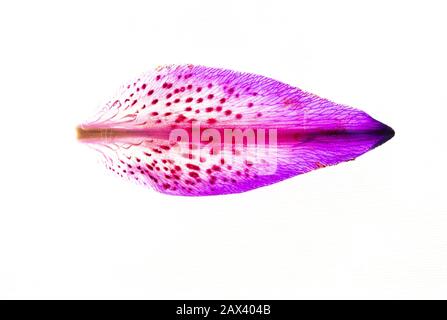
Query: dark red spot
<point>150,92</point>
<point>154,101</point>
<point>209,109</point>
<point>167,114</point>
<point>158,77</point>
<point>169,95</point>
<point>250,104</point>
<point>154,113</point>
<point>177,100</point>
<point>259,114</point>
<point>210,96</point>
<point>188,109</point>
<point>238,116</point>
<point>134,102</point>
<point>192,166</point>
<point>180,118</point>
<point>193,174</point>
<point>168,104</point>
<point>219,108</point>
<point>188,100</point>
<point>211,121</point>
<point>199,100</point>
<point>189,87</point>
<point>222,100</point>
<point>166,186</point>
<point>199,89</point>
<point>227,112</point>
<point>216,167</point>
<point>144,86</point>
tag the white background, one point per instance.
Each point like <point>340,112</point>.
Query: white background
<point>372,228</point>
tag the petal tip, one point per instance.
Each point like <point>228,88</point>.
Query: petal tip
<point>386,133</point>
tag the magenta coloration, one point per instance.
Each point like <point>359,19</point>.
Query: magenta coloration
<point>193,130</point>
